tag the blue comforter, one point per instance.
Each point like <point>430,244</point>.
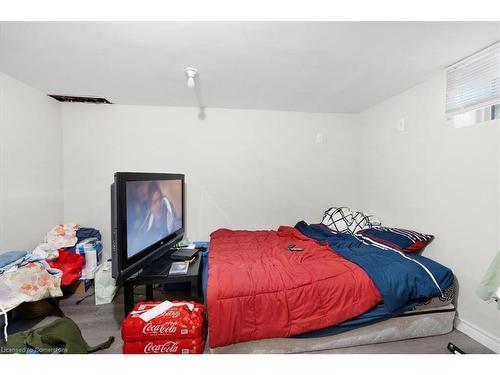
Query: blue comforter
<point>401,278</point>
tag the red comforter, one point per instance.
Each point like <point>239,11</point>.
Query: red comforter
<point>258,289</point>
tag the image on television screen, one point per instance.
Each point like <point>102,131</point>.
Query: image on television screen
<point>154,210</point>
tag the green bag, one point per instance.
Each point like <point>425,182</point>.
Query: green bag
<point>61,336</point>
<point>490,283</point>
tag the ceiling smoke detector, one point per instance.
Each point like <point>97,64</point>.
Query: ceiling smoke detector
<point>191,74</point>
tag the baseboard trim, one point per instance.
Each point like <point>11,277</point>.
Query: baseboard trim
<point>485,338</point>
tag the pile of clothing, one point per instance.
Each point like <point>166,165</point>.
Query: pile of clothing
<point>63,253</point>
<point>57,261</point>
<point>25,277</point>
<point>65,247</point>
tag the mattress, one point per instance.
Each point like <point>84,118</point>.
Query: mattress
<point>447,299</point>
<point>428,321</point>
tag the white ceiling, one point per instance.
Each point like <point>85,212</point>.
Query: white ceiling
<point>292,66</point>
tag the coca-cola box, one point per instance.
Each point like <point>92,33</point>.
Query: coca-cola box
<point>180,346</point>
<point>178,322</point>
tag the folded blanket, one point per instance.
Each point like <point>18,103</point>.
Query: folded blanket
<point>11,259</point>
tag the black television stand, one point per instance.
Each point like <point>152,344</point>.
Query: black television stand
<point>156,272</point>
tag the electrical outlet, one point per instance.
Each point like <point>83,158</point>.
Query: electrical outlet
<point>401,125</point>
<point>319,138</point>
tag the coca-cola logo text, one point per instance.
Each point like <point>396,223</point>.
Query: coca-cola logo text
<point>158,329</point>
<point>166,347</point>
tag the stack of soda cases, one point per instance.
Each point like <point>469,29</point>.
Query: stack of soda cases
<point>179,330</point>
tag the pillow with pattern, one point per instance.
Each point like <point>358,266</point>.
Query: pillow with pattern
<point>404,240</point>
<point>343,220</point>
<point>338,219</point>
<point>362,221</point>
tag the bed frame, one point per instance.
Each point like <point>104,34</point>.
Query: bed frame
<point>413,324</point>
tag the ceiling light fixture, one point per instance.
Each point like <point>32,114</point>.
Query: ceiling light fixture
<point>191,74</point>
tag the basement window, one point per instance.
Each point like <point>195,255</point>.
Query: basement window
<point>473,88</point>
<point>476,116</point>
<point>495,112</point>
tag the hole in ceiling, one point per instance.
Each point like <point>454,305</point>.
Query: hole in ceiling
<point>80,99</point>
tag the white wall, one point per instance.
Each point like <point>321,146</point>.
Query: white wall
<point>437,179</point>
<point>244,169</point>
<point>31,199</point>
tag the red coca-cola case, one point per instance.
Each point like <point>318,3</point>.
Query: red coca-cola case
<point>173,346</point>
<point>178,322</point>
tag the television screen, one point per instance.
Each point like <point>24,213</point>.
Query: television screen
<point>154,211</point>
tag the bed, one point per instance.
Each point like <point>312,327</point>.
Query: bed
<point>262,298</point>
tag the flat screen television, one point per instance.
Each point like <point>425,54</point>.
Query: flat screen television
<point>147,219</point>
